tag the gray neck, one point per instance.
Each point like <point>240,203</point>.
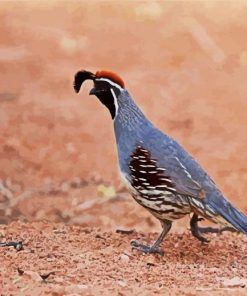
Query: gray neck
<point>130,125</point>
<point>129,117</point>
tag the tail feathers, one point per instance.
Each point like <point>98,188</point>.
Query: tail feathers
<point>231,215</point>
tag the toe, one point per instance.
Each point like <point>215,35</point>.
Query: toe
<point>146,249</point>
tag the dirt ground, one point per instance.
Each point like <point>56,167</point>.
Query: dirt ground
<point>77,260</point>
<point>186,65</point>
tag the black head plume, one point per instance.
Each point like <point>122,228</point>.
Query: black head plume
<point>80,77</point>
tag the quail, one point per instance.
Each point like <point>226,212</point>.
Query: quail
<point>160,175</point>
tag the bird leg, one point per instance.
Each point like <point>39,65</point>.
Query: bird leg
<point>155,247</point>
<point>196,230</point>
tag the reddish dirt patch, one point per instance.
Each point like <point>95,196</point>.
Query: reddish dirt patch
<point>89,261</point>
<point>185,64</point>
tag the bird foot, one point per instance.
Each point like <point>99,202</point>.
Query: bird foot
<point>196,230</point>
<point>147,249</point>
<point>216,230</point>
<point>197,233</point>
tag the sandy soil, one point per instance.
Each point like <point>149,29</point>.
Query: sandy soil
<point>89,261</point>
<point>186,65</point>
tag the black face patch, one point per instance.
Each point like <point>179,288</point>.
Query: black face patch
<point>102,89</point>
<point>101,85</point>
<point>146,174</point>
<point>106,98</point>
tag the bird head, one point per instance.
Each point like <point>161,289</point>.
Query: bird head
<point>107,87</point>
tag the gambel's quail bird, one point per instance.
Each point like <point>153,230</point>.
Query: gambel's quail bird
<point>161,176</point>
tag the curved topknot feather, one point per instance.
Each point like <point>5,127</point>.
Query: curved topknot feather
<point>110,75</point>
<point>80,77</point>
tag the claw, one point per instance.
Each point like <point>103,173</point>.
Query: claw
<point>154,249</point>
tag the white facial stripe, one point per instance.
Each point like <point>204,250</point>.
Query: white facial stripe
<point>115,102</point>
<point>111,82</point>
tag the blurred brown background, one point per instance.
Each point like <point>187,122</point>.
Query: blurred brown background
<point>185,63</point>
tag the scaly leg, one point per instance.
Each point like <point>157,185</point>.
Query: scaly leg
<point>166,224</point>
<point>196,230</point>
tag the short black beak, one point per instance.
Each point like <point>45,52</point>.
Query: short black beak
<point>93,91</point>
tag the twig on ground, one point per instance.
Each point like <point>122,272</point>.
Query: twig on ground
<point>16,244</point>
<point>122,231</point>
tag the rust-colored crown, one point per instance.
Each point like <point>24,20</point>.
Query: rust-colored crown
<point>110,75</point>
